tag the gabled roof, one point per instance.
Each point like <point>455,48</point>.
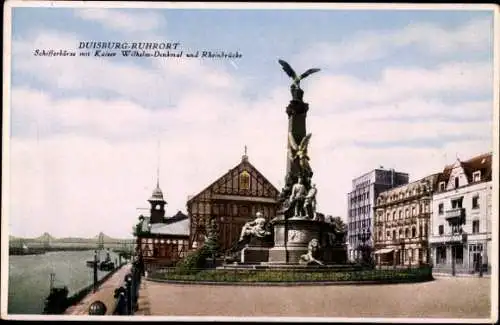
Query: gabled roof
<point>445,175</point>
<point>481,163</point>
<point>244,162</point>
<point>176,217</point>
<point>180,227</point>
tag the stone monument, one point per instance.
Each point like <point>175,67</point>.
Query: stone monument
<point>297,225</point>
<point>299,236</point>
<point>257,239</point>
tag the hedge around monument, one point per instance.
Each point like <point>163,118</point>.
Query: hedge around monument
<point>256,276</point>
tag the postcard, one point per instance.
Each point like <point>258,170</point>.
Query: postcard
<point>250,161</point>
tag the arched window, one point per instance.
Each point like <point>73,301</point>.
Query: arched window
<point>244,180</point>
<point>407,213</point>
<point>400,233</point>
<point>407,233</point>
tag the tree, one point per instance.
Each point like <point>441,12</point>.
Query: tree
<point>212,241</point>
<point>340,228</point>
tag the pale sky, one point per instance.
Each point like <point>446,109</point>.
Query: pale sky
<point>406,89</point>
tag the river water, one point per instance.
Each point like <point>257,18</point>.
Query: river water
<point>29,277</point>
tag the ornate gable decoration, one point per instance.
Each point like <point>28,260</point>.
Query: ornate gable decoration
<point>457,177</point>
<point>243,180</point>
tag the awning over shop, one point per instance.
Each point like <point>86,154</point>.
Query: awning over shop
<point>384,251</point>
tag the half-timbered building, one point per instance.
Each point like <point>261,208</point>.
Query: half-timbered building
<point>161,240</point>
<point>232,200</point>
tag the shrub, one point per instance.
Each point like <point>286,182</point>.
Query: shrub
<point>185,273</point>
<point>193,262</point>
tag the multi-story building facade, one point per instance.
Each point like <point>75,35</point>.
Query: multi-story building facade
<point>360,202</point>
<point>461,220</point>
<point>402,222</point>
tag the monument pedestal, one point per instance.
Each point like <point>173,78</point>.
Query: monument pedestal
<point>292,237</point>
<point>256,251</point>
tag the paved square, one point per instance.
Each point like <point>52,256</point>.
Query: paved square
<point>446,297</point>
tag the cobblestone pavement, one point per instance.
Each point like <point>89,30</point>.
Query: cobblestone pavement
<point>104,293</point>
<point>446,297</point>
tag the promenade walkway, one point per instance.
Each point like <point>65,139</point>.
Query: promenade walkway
<point>104,293</point>
<point>443,298</point>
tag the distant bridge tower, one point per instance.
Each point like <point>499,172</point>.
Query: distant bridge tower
<point>46,241</point>
<point>100,243</point>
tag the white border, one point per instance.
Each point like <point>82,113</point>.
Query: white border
<point>217,5</point>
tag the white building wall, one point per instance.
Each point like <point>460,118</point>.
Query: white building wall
<point>483,213</point>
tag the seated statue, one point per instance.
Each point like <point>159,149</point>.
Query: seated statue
<point>312,252</point>
<point>255,228</point>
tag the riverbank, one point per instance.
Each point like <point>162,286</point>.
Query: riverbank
<point>29,278</point>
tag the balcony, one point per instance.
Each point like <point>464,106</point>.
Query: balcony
<point>455,214</point>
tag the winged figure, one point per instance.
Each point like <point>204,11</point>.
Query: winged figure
<point>300,151</point>
<point>291,73</point>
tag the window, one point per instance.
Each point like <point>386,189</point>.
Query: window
<point>441,254</point>
<point>394,234</point>
<point>441,208</point>
<point>476,176</point>
<point>475,202</point>
<point>388,234</point>
<point>413,232</point>
<point>475,226</point>
<point>388,216</point>
<point>457,203</point>
<point>441,229</point>
<point>413,211</point>
<point>400,233</point>
<point>407,213</point>
<point>457,182</point>
<point>442,186</point>
<point>407,233</point>
<point>394,215</point>
<point>456,229</point>
<point>244,180</point>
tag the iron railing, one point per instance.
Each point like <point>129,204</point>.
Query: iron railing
<point>126,295</point>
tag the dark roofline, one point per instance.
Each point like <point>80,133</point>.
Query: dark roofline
<point>381,169</point>
<point>410,183</point>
